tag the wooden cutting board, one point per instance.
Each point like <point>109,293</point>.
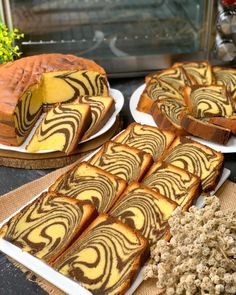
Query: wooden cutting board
<point>56,159</point>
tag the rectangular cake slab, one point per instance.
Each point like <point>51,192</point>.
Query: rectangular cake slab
<point>60,281</point>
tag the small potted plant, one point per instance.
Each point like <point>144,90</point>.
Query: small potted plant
<point>8,50</point>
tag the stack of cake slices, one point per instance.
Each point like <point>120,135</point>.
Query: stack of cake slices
<point>97,221</point>
<point>193,98</point>
<point>73,92</point>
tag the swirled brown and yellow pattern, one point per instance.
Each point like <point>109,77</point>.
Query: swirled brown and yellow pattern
<point>208,101</point>
<point>68,85</point>
<point>146,211</point>
<point>147,138</point>
<point>173,182</point>
<point>102,107</point>
<point>46,227</point>
<point>89,183</point>
<point>226,77</point>
<point>105,258</point>
<point>200,72</point>
<point>61,129</point>
<point>174,76</point>
<point>197,159</point>
<point>123,161</point>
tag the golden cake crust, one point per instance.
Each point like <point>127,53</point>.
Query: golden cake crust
<point>228,123</point>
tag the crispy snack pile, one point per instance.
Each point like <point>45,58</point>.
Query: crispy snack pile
<point>201,256</point>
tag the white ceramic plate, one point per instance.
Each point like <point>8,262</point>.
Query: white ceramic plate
<point>119,102</point>
<point>144,118</point>
<point>60,281</point>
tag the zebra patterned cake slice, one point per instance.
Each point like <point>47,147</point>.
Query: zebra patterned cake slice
<point>146,138</point>
<point>62,128</point>
<point>47,226</point>
<point>106,258</point>
<point>102,107</point>
<point>173,182</point>
<point>146,211</point>
<point>123,161</point>
<point>62,86</point>
<point>197,159</point>
<point>155,90</point>
<point>88,183</point>
<point>208,101</point>
<point>200,73</point>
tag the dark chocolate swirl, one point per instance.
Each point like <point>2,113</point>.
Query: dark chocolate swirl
<point>85,83</point>
<point>48,225</point>
<point>171,181</point>
<point>171,109</point>
<point>121,160</point>
<point>226,77</point>
<point>149,139</point>
<point>210,101</point>
<point>200,71</point>
<point>198,160</point>
<point>145,211</point>
<point>105,260</point>
<point>157,89</point>
<point>88,183</point>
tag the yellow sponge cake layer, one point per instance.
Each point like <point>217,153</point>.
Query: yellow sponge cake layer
<point>61,128</point>
<point>46,227</point>
<point>89,183</point>
<point>174,183</point>
<point>146,211</point>
<point>106,258</point>
<point>123,161</point>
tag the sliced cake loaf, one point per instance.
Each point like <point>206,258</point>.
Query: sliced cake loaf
<point>200,73</point>
<point>62,128</point>
<point>228,123</point>
<point>102,107</point>
<point>226,77</point>
<point>47,226</point>
<point>155,90</point>
<point>121,160</point>
<point>173,182</point>
<point>166,113</point>
<point>88,183</point>
<point>146,211</point>
<point>106,258</point>
<point>204,129</point>
<point>146,138</point>
<point>198,159</point>
<point>208,101</point>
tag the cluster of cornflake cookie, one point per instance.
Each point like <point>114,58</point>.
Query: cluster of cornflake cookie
<point>123,197</point>
<point>73,92</point>
<point>201,255</point>
<point>193,98</point>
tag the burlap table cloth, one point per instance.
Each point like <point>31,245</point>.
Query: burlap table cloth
<point>14,200</point>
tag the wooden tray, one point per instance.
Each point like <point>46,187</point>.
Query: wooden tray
<point>56,159</point>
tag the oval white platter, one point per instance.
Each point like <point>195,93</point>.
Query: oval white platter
<point>119,102</point>
<point>147,119</point>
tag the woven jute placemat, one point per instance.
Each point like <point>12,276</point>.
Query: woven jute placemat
<point>14,200</point>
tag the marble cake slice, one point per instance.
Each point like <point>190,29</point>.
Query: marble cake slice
<point>102,107</point>
<point>226,77</point>
<point>88,183</point>
<point>166,114</point>
<point>121,160</point>
<point>204,129</point>
<point>173,182</point>
<point>200,73</point>
<point>146,211</point>
<point>228,123</point>
<point>208,101</point>
<point>106,258</point>
<point>197,159</point>
<point>146,138</point>
<point>62,128</point>
<point>155,90</point>
<point>47,226</point>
